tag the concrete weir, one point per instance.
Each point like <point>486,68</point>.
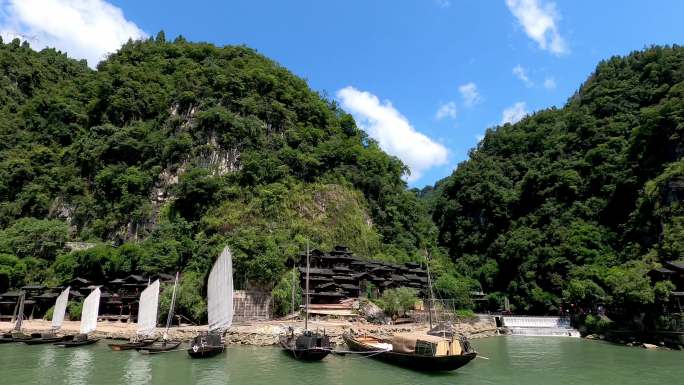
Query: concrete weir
<point>539,326</point>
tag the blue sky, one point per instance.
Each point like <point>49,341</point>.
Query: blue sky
<point>425,77</point>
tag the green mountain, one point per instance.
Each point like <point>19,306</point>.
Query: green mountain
<point>170,150</point>
<point>577,204</point>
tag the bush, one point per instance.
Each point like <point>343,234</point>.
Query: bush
<point>465,313</point>
<point>597,324</point>
<point>48,313</point>
<point>456,289</point>
<point>282,294</point>
<point>74,308</point>
<point>396,302</point>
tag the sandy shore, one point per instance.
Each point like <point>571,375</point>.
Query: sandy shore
<point>262,333</point>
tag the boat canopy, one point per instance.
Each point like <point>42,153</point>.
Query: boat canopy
<point>147,310</point>
<point>220,292</point>
<point>60,308</point>
<point>424,344</point>
<point>91,307</point>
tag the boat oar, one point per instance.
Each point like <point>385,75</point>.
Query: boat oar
<point>483,357</point>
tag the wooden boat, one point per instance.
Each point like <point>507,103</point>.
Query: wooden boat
<point>165,344</point>
<point>308,346</point>
<point>80,339</point>
<point>429,354</point>
<point>219,309</point>
<point>160,347</point>
<point>42,338</point>
<point>5,338</point>
<point>135,344</point>
<point>146,322</point>
<point>91,307</point>
<point>57,318</point>
<point>206,345</point>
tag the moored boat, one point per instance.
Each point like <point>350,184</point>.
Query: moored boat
<point>422,352</point>
<point>57,318</point>
<point>165,344</point>
<point>308,346</point>
<point>146,321</point>
<point>160,347</point>
<point>219,308</point>
<point>91,307</point>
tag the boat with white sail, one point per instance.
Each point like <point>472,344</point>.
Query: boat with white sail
<point>147,320</point>
<point>165,344</point>
<point>91,307</point>
<point>219,308</point>
<point>58,314</point>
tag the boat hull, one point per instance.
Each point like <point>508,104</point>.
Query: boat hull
<point>412,361</point>
<point>159,347</point>
<point>205,351</point>
<point>42,340</point>
<point>75,341</point>
<point>131,345</point>
<point>304,354</point>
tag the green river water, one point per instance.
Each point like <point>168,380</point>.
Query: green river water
<point>512,360</point>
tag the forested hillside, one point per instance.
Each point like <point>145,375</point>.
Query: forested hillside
<point>575,205</point>
<point>170,150</point>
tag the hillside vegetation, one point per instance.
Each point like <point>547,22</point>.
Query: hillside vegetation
<point>576,205</point>
<point>170,150</point>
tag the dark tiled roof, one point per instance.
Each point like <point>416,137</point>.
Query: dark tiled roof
<point>33,287</point>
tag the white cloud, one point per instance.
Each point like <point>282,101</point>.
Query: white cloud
<point>521,74</point>
<point>443,3</point>
<point>85,29</point>
<point>540,22</point>
<point>549,83</point>
<point>470,94</point>
<point>393,131</point>
<point>514,113</point>
<point>446,110</point>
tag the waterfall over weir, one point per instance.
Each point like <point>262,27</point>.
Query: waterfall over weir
<point>540,326</point>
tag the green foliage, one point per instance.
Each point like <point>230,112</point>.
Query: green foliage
<point>49,313</point>
<point>30,237</point>
<point>597,324</point>
<point>395,302</point>
<point>282,294</point>
<point>74,309</point>
<point>457,289</point>
<point>576,204</point>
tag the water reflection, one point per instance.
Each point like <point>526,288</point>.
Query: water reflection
<point>79,365</point>
<point>137,369</point>
<point>210,371</point>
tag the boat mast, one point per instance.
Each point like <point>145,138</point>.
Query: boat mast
<point>169,316</point>
<point>294,278</point>
<point>20,312</point>
<point>431,294</point>
<point>306,318</point>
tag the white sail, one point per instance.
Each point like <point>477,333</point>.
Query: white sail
<point>220,292</point>
<point>91,307</point>
<point>60,309</point>
<point>147,311</point>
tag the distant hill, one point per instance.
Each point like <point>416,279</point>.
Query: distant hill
<point>169,150</point>
<point>577,204</point>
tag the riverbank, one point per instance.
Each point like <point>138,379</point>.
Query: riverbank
<point>263,333</point>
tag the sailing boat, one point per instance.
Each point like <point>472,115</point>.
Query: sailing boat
<point>220,308</point>
<point>147,319</point>
<point>91,306</point>
<point>429,352</point>
<point>309,346</point>
<point>165,344</point>
<point>15,334</point>
<point>58,313</point>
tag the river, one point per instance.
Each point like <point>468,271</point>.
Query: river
<point>512,360</point>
